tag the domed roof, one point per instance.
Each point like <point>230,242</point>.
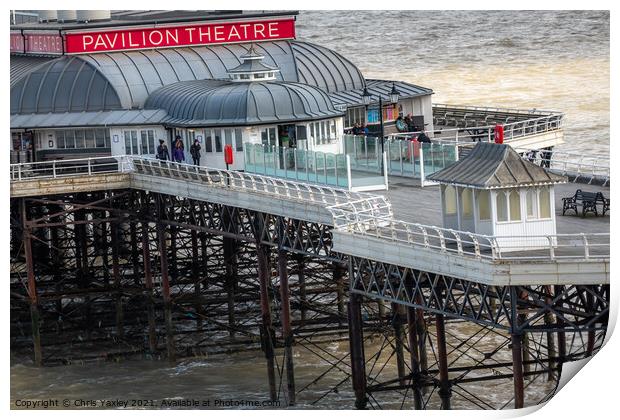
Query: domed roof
<point>217,102</point>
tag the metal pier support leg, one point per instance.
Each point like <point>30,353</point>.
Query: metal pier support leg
<point>262,253</point>
<point>517,368</point>
<point>415,357</point>
<point>525,346</point>
<point>445,391</point>
<point>32,287</point>
<point>165,282</point>
<point>287,333</point>
<point>356,343</point>
<point>421,335</point>
<point>339,273</point>
<point>399,334</point>
<point>230,261</point>
<point>550,338</point>
<point>196,278</point>
<point>301,275</point>
<point>116,274</point>
<point>148,283</point>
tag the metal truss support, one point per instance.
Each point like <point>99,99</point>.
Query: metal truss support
<point>414,354</point>
<point>445,391</point>
<point>148,284</point>
<point>399,335</point>
<point>287,333</point>
<point>517,369</point>
<point>267,332</point>
<point>356,343</point>
<point>32,286</point>
<point>165,281</point>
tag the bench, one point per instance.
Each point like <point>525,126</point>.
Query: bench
<point>588,202</point>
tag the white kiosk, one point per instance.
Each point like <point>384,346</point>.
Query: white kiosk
<point>493,191</point>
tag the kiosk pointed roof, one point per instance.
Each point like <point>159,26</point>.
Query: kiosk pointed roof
<point>490,166</point>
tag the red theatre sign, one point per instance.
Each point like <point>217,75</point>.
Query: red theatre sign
<point>179,36</point>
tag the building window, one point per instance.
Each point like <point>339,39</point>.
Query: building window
<point>301,133</point>
<point>218,142</point>
<point>484,205</point>
<point>88,138</point>
<point>467,202</point>
<point>531,203</point>
<point>259,76</point>
<point>268,137</point>
<point>139,143</point>
<point>515,205</point>
<point>502,206</point>
<point>60,139</point>
<point>238,140</point>
<point>449,197</point>
<point>545,203</point>
<point>245,76</point>
<point>209,144</point>
<point>228,137</point>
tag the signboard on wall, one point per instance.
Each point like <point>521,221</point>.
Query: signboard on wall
<point>36,43</point>
<point>179,36</point>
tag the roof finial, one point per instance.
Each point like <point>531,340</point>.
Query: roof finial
<point>252,68</point>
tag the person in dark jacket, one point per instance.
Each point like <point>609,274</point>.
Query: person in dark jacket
<point>423,138</point>
<point>162,151</point>
<point>195,152</point>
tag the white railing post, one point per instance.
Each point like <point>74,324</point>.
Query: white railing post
<point>349,181</point>
<point>551,248</point>
<point>54,169</point>
<point>19,171</point>
<point>586,246</point>
<point>89,167</point>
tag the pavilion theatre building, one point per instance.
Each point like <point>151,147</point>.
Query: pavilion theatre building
<point>95,83</point>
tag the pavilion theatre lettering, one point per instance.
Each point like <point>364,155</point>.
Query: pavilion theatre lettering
<point>220,33</point>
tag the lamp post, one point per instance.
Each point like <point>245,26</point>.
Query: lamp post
<point>367,98</point>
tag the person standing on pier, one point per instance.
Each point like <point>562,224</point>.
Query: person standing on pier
<point>195,152</point>
<point>162,151</point>
<point>177,153</point>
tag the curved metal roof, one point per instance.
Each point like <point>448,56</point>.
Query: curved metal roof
<point>218,102</point>
<point>63,85</point>
<point>378,88</point>
<point>491,165</point>
<point>134,75</point>
<point>23,64</point>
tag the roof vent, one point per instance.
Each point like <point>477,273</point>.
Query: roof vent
<point>92,15</point>
<point>47,15</point>
<point>252,68</point>
<point>67,16</point>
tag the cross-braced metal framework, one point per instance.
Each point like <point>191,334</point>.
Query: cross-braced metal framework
<point>117,273</point>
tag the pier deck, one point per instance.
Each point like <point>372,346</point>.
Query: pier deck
<point>415,204</point>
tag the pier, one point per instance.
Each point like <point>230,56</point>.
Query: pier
<point>126,256</point>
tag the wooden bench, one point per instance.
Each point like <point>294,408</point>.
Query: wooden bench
<point>588,202</point>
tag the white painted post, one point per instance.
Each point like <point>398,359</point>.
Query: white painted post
<point>54,169</point>
<point>89,167</point>
<point>421,157</point>
<point>385,174</point>
<point>349,182</point>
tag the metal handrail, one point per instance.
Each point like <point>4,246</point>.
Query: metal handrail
<point>356,213</point>
<point>592,246</point>
<point>512,130</point>
<point>533,111</point>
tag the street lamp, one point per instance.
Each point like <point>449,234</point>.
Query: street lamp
<point>367,98</point>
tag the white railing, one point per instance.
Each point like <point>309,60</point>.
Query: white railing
<point>578,166</point>
<point>361,214</point>
<point>592,246</point>
<point>70,167</point>
<point>283,188</point>
<point>489,109</point>
<point>512,131</point>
